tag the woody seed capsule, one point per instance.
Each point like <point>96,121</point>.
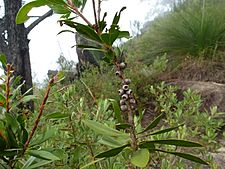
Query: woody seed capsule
<point>125,87</point>
<point>123,107</point>
<point>122,102</point>
<point>121,92</point>
<point>118,73</point>
<point>122,65</point>
<point>129,92</point>
<point>127,81</point>
<point>124,97</point>
<point>132,101</point>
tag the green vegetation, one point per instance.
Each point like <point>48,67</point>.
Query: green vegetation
<point>193,28</point>
<point>88,124</point>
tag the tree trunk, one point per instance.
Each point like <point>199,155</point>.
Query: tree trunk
<point>15,44</point>
<point>17,50</point>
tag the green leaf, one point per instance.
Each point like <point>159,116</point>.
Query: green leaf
<point>43,155</point>
<point>102,24</point>
<point>63,31</point>
<point>123,126</point>
<point>112,142</point>
<point>104,130</point>
<point>2,141</point>
<point>28,162</point>
<point>39,164</point>
<point>175,142</point>
<point>57,115</point>
<point>84,30</point>
<point>11,138</point>
<point>3,59</point>
<point>111,152</point>
<point>117,17</point>
<point>165,130</point>
<point>49,133</point>
<point>60,9</point>
<point>91,163</point>
<point>24,136</point>
<point>124,34</point>
<point>28,98</point>
<point>185,156</point>
<point>12,122</point>
<point>117,111</point>
<point>149,146</point>
<point>22,15</point>
<point>10,152</point>
<point>140,158</point>
<point>154,123</point>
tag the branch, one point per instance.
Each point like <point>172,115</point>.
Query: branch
<point>36,22</point>
<point>94,10</point>
<point>76,11</point>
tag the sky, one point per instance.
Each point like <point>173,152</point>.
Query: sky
<point>46,46</point>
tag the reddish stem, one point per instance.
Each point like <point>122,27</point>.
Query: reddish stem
<point>76,11</point>
<point>8,75</point>
<point>39,115</point>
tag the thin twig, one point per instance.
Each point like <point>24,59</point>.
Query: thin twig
<point>76,11</point>
<point>95,14</point>
<point>8,76</point>
<point>39,115</point>
<point>40,19</point>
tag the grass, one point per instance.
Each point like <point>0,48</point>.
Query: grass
<point>195,29</point>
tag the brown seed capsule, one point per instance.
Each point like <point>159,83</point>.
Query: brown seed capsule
<point>129,92</point>
<point>122,65</point>
<point>131,96</point>
<point>127,81</point>
<point>118,73</point>
<point>124,96</point>
<point>121,92</point>
<point>132,101</point>
<point>122,102</point>
<point>125,87</point>
<point>123,107</point>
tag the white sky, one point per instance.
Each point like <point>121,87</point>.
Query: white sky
<point>46,45</point>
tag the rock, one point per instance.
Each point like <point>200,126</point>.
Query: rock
<point>212,94</point>
<point>69,75</point>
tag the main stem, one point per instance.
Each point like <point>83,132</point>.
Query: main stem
<point>39,115</point>
<point>130,116</point>
<point>8,76</point>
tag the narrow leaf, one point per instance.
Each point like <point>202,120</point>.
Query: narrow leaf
<point>153,124</point>
<point>185,156</point>
<point>57,115</point>
<point>43,154</point>
<point>117,111</point>
<point>175,142</point>
<point>111,152</point>
<point>103,130</point>
<point>165,130</point>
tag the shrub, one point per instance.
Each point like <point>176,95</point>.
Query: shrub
<point>194,28</point>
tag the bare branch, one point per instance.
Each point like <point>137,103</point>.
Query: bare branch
<point>94,10</point>
<point>36,22</point>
